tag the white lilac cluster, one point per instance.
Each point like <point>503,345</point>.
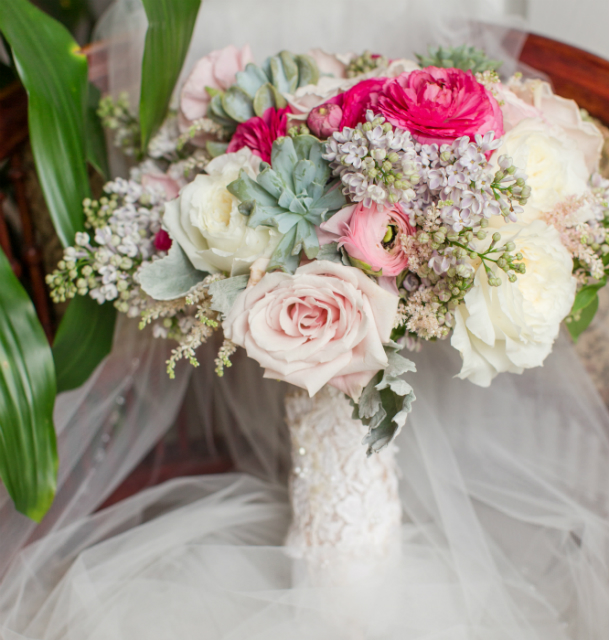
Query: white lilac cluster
<point>375,162</point>
<point>103,262</point>
<point>460,182</point>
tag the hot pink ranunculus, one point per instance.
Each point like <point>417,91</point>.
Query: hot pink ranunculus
<point>370,235</point>
<point>357,100</point>
<point>216,70</point>
<point>440,105</point>
<point>327,323</point>
<point>259,133</point>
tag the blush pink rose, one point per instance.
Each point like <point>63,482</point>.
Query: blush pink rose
<point>440,105</point>
<point>370,235</point>
<point>216,70</point>
<point>163,183</point>
<point>258,134</point>
<point>326,324</point>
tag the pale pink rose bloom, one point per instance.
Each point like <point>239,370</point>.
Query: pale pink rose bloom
<point>328,64</point>
<point>162,182</point>
<point>362,232</point>
<point>216,70</point>
<point>326,324</point>
<point>514,109</point>
<point>563,113</point>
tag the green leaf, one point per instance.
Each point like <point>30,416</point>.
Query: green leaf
<point>83,340</point>
<point>95,140</point>
<point>308,72</point>
<point>170,26</point>
<point>225,292</point>
<point>54,73</point>
<point>251,79</point>
<point>586,295</point>
<point>170,277</point>
<point>264,99</point>
<point>28,450</point>
<point>582,319</point>
<point>216,149</point>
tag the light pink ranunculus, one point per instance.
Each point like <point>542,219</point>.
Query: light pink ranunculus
<point>258,134</point>
<point>216,70</point>
<point>370,235</point>
<point>326,324</point>
<point>440,105</point>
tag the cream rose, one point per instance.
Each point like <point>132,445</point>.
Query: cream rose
<point>563,113</point>
<point>205,219</point>
<point>325,324</point>
<point>555,165</point>
<point>512,327</point>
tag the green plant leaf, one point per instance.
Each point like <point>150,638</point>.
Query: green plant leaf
<point>83,340</point>
<point>95,141</point>
<point>28,450</point>
<point>586,295</point>
<point>54,73</point>
<point>170,26</point>
<point>578,324</point>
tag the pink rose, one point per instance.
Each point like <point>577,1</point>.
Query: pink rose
<point>325,324</point>
<point>163,183</point>
<point>370,235</point>
<point>440,105</point>
<point>324,120</point>
<point>259,133</point>
<point>217,71</point>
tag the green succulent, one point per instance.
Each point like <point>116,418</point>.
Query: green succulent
<point>259,88</point>
<point>293,195</point>
<point>463,57</point>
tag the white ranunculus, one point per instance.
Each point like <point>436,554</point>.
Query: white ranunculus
<point>205,219</point>
<point>555,165</point>
<point>513,327</point>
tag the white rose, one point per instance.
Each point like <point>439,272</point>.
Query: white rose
<point>555,165</point>
<point>563,113</point>
<point>205,219</point>
<point>513,327</point>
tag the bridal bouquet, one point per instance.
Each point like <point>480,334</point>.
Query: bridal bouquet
<point>328,210</point>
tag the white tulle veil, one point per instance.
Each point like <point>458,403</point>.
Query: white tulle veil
<point>506,502</point>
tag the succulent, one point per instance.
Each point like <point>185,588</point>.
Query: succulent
<point>463,57</point>
<point>258,88</point>
<point>292,195</point>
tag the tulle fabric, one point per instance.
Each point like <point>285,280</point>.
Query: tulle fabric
<point>504,490</point>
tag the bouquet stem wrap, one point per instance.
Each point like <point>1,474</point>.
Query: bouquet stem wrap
<point>346,511</point>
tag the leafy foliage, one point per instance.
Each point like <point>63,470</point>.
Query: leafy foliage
<point>260,88</point>
<point>28,450</point>
<point>83,340</point>
<point>170,26</point>
<point>386,401</point>
<point>463,57</point>
<point>54,73</point>
<point>170,277</point>
<point>225,292</point>
<point>584,308</point>
<point>292,195</point>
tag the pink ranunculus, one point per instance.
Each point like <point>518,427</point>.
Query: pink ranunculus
<point>216,70</point>
<point>324,120</point>
<point>162,240</point>
<point>370,235</point>
<point>327,323</point>
<point>440,105</point>
<point>259,133</point>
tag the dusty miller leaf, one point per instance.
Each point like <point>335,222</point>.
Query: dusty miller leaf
<point>170,277</point>
<point>225,292</point>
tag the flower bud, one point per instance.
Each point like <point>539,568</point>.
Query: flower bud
<point>325,119</point>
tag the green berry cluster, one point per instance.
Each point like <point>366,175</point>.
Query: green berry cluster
<point>364,63</point>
